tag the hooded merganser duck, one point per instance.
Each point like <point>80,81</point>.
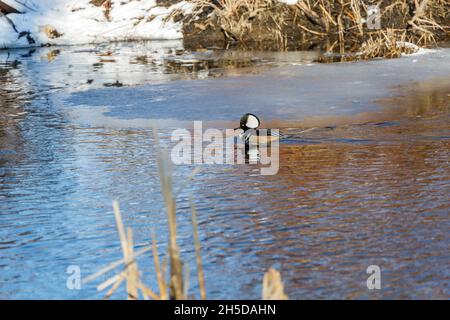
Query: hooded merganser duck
<point>250,133</point>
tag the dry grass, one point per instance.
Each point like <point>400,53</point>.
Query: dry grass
<point>201,277</point>
<point>234,17</point>
<point>127,270</point>
<point>130,272</point>
<point>176,272</point>
<point>247,21</point>
<point>273,288</point>
<point>387,44</point>
<point>176,287</point>
<point>423,22</point>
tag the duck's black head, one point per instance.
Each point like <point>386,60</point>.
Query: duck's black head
<point>249,121</point>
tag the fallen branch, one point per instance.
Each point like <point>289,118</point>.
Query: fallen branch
<point>3,15</point>
<point>7,9</point>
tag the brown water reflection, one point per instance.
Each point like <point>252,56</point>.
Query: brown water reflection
<point>12,99</point>
<point>345,197</point>
<point>370,188</point>
<point>336,208</point>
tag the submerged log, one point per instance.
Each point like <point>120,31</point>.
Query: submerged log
<point>7,9</point>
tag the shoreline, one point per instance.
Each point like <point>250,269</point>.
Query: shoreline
<point>341,29</point>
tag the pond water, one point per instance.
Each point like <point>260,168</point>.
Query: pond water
<point>364,175</point>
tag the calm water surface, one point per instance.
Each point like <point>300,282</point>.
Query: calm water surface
<point>364,174</point>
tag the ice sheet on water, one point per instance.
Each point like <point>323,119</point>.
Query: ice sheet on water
<point>286,93</point>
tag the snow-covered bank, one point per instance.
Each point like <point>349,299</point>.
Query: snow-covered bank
<point>65,22</point>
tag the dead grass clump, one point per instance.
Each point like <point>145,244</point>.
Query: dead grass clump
<point>50,31</point>
<point>273,288</point>
<point>177,286</point>
<point>237,19</point>
<point>386,44</point>
<point>345,21</point>
<point>423,22</point>
<point>176,272</point>
<point>129,271</point>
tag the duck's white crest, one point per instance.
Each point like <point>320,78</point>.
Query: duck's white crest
<point>252,122</point>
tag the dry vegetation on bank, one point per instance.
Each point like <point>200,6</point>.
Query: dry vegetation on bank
<point>340,25</point>
<point>341,28</point>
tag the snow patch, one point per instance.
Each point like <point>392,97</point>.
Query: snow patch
<point>80,22</point>
<point>289,2</point>
<point>417,50</point>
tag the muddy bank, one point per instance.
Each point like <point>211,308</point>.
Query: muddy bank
<point>344,27</point>
<point>334,26</point>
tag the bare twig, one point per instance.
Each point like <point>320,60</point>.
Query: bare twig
<point>201,276</point>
